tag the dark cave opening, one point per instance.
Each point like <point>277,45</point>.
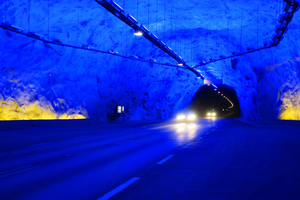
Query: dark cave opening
<point>223,101</point>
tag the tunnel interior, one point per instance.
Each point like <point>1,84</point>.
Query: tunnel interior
<point>223,101</point>
<point>80,61</point>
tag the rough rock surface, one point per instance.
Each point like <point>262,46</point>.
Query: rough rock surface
<point>48,81</point>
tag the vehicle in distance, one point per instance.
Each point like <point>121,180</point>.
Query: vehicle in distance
<point>211,114</point>
<point>186,116</point>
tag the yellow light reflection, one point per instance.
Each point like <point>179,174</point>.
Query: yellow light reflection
<point>185,131</point>
<point>292,113</point>
<point>10,110</point>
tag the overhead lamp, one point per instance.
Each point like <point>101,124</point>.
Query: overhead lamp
<point>56,41</point>
<point>132,19</point>
<point>116,6</point>
<point>285,17</point>
<point>154,36</point>
<point>145,29</point>
<point>85,46</point>
<point>291,6</point>
<point>201,62</point>
<point>13,27</point>
<point>180,64</point>
<point>138,33</point>
<point>35,35</point>
<point>200,76</point>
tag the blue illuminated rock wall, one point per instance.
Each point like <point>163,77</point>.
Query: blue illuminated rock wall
<point>74,81</point>
<point>77,79</point>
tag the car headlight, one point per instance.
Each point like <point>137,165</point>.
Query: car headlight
<point>213,114</point>
<point>180,117</point>
<point>191,117</point>
<point>209,114</point>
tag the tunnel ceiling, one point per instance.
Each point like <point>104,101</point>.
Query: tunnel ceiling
<point>97,83</point>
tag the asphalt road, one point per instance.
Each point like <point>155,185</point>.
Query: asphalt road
<point>87,162</point>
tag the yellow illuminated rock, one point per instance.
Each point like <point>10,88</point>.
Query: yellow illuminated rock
<point>10,110</point>
<point>292,113</point>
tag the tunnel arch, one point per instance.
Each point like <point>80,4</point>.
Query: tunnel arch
<point>222,100</point>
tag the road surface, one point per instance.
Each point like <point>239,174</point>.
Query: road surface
<point>87,162</point>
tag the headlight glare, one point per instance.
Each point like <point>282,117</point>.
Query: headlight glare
<point>180,117</point>
<point>191,117</point>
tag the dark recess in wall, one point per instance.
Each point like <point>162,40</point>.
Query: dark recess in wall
<point>206,99</point>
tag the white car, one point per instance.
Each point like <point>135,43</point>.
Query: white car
<point>186,116</point>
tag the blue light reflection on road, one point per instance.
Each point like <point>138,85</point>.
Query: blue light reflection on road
<point>184,132</point>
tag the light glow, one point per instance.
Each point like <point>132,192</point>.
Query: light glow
<point>191,117</point>
<point>11,110</point>
<point>180,117</point>
<point>138,33</point>
<point>291,113</point>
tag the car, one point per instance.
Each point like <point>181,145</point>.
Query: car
<point>186,116</point>
<point>211,114</point>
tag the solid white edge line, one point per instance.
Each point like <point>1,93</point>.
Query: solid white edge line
<point>165,159</point>
<point>119,188</point>
<point>33,145</point>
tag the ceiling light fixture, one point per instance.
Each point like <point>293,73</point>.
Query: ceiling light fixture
<point>138,33</point>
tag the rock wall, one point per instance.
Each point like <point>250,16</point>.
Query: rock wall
<point>49,81</point>
<point>45,81</point>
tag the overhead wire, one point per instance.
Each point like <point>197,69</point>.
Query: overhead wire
<point>78,24</point>
<point>48,20</point>
<point>29,15</point>
<point>257,25</point>
<point>5,10</point>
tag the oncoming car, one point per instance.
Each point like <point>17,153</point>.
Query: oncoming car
<point>186,116</point>
<point>211,114</point>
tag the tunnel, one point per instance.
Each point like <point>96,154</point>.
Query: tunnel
<point>81,63</point>
<point>97,99</point>
<point>223,101</point>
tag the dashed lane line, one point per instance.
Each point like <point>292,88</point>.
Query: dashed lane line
<point>165,159</point>
<point>119,188</point>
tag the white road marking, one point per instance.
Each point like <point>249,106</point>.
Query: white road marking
<point>165,159</point>
<point>186,146</point>
<point>17,170</point>
<point>33,145</point>
<point>199,138</point>
<point>119,188</point>
<point>207,133</point>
